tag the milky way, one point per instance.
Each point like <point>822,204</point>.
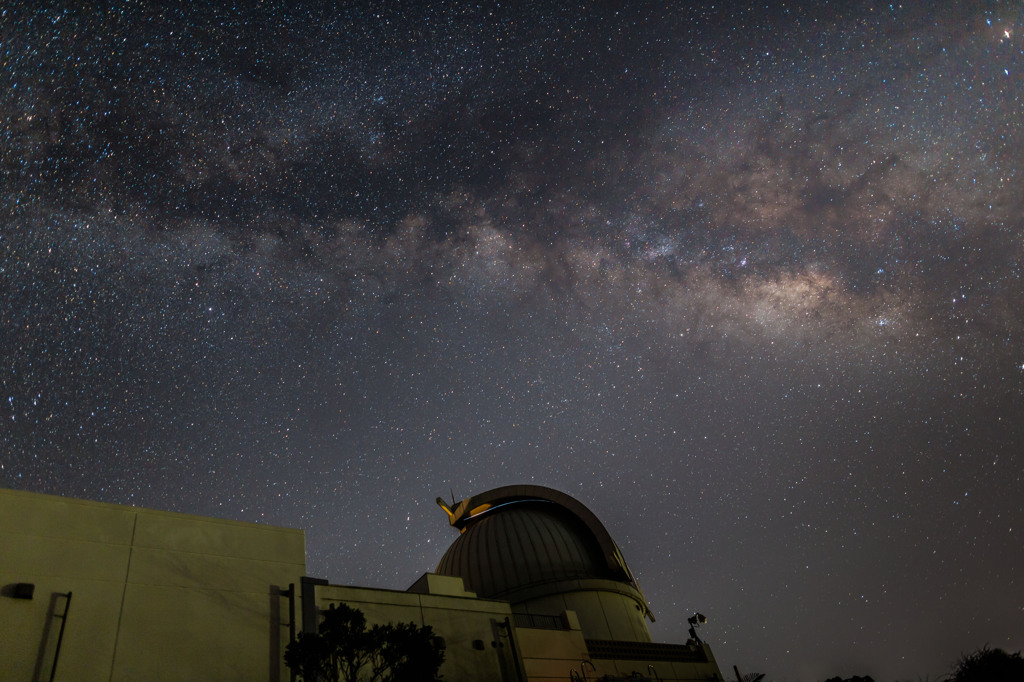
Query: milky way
<point>745,280</point>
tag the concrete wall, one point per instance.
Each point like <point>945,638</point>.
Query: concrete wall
<point>603,613</point>
<point>550,655</point>
<point>476,641</point>
<point>666,671</point>
<point>156,595</point>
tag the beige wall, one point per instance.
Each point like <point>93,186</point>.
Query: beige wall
<point>156,595</point>
<point>603,613</point>
<point>550,655</point>
<point>454,614</point>
<point>667,671</point>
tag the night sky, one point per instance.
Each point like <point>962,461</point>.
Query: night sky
<point>747,280</point>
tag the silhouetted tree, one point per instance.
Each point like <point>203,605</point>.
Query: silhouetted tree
<point>310,656</point>
<point>749,677</point>
<point>343,650</point>
<point>989,665</point>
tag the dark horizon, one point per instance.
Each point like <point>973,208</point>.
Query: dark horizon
<point>744,279</point>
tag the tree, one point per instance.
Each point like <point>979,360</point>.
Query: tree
<point>749,677</point>
<point>345,651</point>
<point>989,665</point>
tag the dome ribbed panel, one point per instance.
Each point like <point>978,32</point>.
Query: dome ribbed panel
<point>520,545</point>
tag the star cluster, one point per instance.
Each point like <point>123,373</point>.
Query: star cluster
<point>743,278</point>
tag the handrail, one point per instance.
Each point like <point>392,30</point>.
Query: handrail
<point>60,636</point>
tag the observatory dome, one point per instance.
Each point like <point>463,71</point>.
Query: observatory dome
<point>544,552</point>
<point>521,544</point>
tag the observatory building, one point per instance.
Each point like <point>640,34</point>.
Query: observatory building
<point>545,553</point>
<point>532,589</point>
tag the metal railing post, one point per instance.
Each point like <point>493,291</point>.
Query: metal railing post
<point>60,635</point>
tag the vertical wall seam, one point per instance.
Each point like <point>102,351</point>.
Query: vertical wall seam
<point>124,595</point>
